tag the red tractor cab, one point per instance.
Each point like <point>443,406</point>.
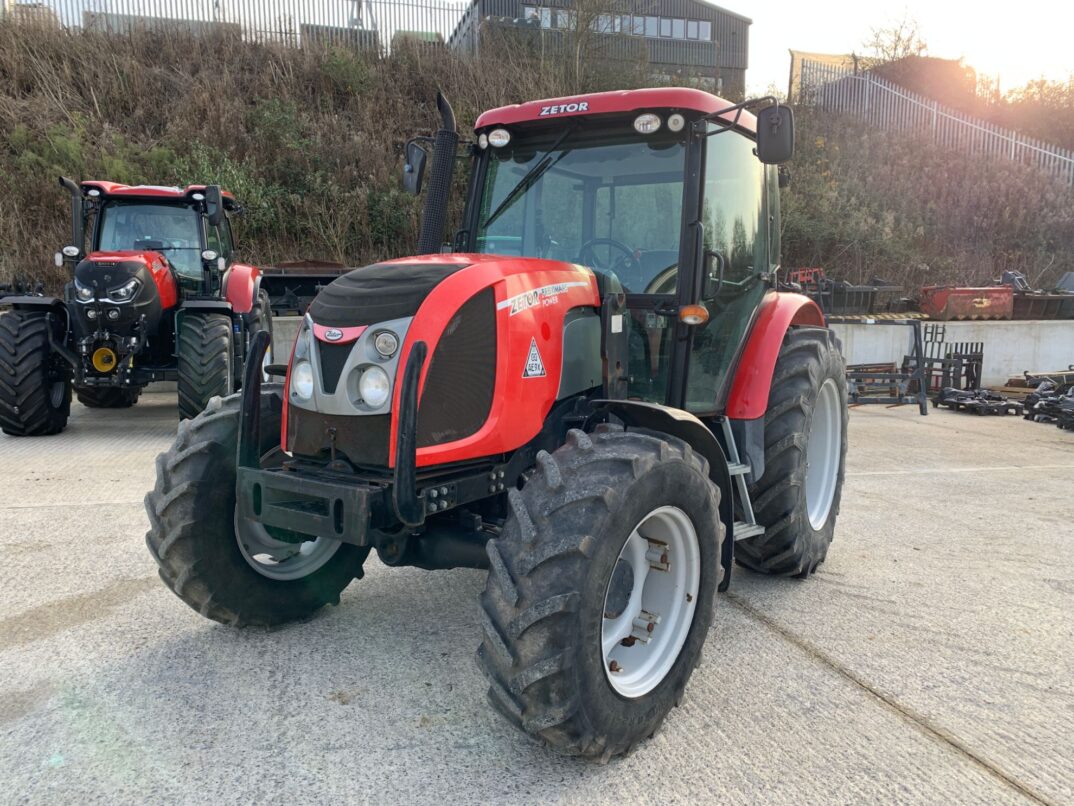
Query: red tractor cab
<point>156,296</point>
<point>595,392</point>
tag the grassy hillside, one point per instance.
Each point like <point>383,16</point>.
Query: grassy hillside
<point>310,142</point>
<point>865,203</point>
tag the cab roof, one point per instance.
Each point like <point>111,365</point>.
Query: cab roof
<point>116,190</point>
<point>601,103</point>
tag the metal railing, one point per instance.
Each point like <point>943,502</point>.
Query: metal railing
<point>366,24</point>
<point>888,106</point>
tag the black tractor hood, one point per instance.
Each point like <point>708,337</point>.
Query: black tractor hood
<point>378,293</point>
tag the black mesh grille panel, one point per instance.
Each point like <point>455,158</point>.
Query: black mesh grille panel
<point>462,375</point>
<point>333,357</point>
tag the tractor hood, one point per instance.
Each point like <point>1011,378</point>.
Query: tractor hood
<point>505,336</point>
<point>107,276</point>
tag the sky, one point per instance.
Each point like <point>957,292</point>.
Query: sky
<point>1019,41</point>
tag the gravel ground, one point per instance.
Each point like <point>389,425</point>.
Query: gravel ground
<point>931,659</point>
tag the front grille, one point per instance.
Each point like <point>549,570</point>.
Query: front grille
<point>462,375</point>
<point>333,357</point>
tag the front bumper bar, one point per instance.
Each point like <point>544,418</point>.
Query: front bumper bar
<point>328,504</point>
<point>296,502</point>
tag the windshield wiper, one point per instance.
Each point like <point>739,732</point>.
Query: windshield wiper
<point>531,177</point>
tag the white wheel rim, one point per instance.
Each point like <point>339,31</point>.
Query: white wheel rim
<point>642,637</point>
<point>281,560</point>
<point>822,454</point>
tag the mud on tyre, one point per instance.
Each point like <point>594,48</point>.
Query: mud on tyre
<point>556,581</point>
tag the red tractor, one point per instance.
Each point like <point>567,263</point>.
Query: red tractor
<point>596,394</point>
<point>158,297</point>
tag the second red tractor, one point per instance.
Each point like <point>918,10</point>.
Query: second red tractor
<point>158,296</point>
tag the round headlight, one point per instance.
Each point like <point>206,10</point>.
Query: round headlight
<point>91,313</point>
<point>374,387</point>
<point>209,254</point>
<point>647,123</point>
<point>498,138</point>
<point>386,343</point>
<point>676,122</point>
<point>83,291</point>
<point>302,380</point>
<point>70,251</point>
<point>113,314</point>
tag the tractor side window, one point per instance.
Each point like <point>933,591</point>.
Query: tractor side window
<point>734,212</point>
<point>219,240</point>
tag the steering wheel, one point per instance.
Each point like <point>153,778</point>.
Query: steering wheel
<point>588,256</point>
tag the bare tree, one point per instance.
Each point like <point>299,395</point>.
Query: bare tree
<point>896,41</point>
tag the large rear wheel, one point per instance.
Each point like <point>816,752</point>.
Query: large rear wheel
<point>205,361</point>
<point>35,383</point>
<point>601,589</point>
<point>228,569</point>
<point>797,497</point>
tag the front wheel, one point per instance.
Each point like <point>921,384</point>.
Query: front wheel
<point>226,568</point>
<point>805,433</point>
<point>204,349</point>
<point>601,590</point>
<point>35,383</point>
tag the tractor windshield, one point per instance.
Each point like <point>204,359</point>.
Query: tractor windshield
<point>171,229</point>
<point>610,203</point>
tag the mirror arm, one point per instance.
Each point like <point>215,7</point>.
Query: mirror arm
<point>738,109</point>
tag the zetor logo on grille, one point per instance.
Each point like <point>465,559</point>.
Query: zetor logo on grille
<point>560,109</point>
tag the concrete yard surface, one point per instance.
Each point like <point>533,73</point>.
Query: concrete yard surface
<point>930,660</point>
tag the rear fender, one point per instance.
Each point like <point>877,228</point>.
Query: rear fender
<point>778,313</point>
<point>241,285</point>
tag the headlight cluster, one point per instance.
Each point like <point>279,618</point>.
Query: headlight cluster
<point>125,291</point>
<point>84,292</point>
<point>369,386</point>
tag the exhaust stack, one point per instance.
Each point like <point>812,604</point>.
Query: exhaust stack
<point>434,215</point>
<point>77,232</point>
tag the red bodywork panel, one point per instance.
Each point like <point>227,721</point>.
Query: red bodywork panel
<point>753,379</point>
<point>601,103</point>
<point>240,286</point>
<point>155,263</point>
<point>946,302</point>
<point>114,189</point>
<point>532,298</point>
<point>348,334</point>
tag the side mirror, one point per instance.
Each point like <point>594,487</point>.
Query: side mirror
<point>414,168</point>
<point>715,263</point>
<point>775,134</point>
<point>214,205</point>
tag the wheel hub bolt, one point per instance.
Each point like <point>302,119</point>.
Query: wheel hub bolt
<point>614,667</point>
